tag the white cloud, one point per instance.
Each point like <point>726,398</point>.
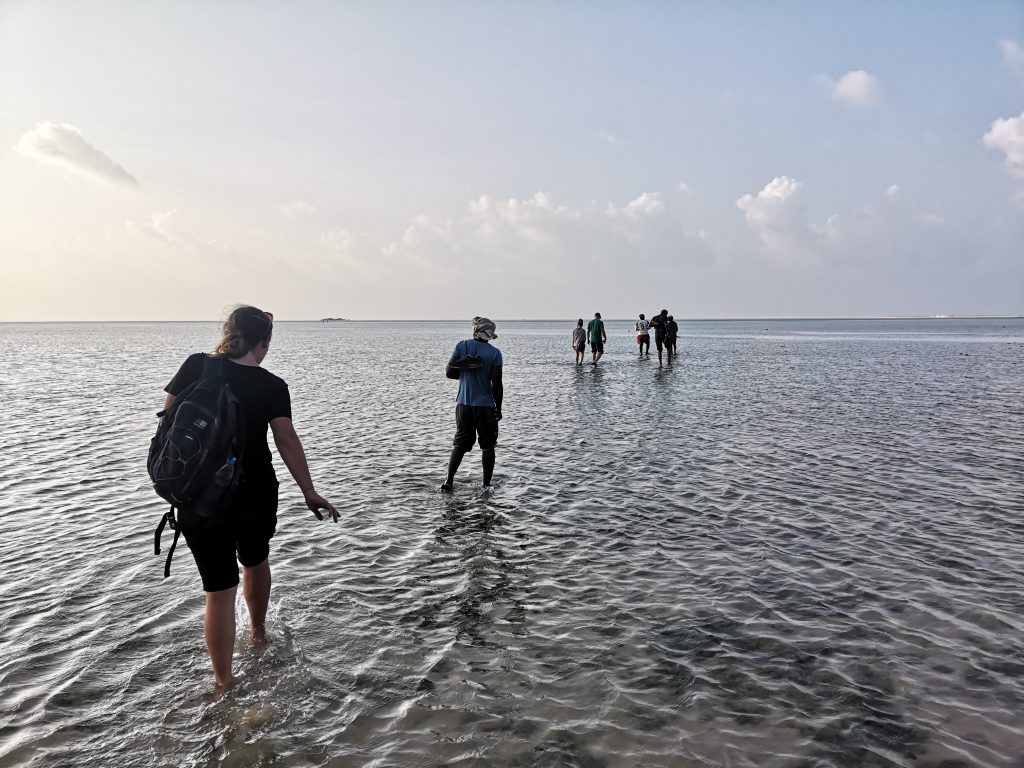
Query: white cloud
<point>1007,135</point>
<point>648,204</point>
<point>830,230</point>
<point>533,242</point>
<point>682,186</point>
<point>529,219</point>
<point>158,226</point>
<point>775,216</point>
<point>769,207</point>
<point>1013,55</point>
<point>892,191</point>
<point>64,146</point>
<point>856,88</point>
<point>422,232</point>
<point>296,209</point>
<point>335,240</point>
<point>165,226</point>
<point>606,137</point>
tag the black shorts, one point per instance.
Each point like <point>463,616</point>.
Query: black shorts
<point>243,537</point>
<point>597,346</point>
<point>659,342</point>
<point>472,421</point>
<point>581,347</point>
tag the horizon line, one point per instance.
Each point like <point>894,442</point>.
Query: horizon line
<point>553,319</point>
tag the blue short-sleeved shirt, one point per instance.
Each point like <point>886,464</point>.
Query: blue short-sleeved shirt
<point>475,384</point>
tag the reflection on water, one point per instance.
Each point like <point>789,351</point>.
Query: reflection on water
<point>800,545</point>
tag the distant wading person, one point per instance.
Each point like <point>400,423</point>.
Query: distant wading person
<point>670,337</point>
<point>244,531</point>
<point>595,329</point>
<point>477,366</point>
<point>660,324</point>
<point>643,334</point>
<point>579,341</point>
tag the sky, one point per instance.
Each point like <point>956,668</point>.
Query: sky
<point>390,160</point>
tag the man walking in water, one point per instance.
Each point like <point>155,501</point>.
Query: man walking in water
<point>670,337</point>
<point>643,335</point>
<point>477,366</point>
<point>660,325</point>
<point>595,328</point>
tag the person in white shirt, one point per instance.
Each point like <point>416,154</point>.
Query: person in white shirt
<point>643,335</point>
<point>579,341</point>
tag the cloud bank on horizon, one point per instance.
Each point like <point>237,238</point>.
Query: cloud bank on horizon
<point>397,182</point>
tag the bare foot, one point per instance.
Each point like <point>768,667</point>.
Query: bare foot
<point>219,688</point>
<point>258,635</point>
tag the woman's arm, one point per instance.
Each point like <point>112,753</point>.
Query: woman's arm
<point>290,448</point>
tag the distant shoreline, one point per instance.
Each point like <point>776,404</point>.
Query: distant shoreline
<point>549,320</point>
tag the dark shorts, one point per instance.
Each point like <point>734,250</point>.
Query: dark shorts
<point>581,347</point>
<point>244,537</point>
<point>472,421</point>
<point>643,338</point>
<point>659,342</point>
<point>597,346</point>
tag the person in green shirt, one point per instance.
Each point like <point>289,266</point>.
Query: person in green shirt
<point>595,329</point>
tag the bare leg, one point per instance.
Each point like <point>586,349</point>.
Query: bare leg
<point>219,629</point>
<point>487,459</point>
<point>453,467</point>
<point>256,590</point>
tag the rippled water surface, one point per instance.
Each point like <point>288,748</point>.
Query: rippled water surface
<point>799,546</point>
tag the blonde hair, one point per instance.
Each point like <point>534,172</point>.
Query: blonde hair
<point>244,328</point>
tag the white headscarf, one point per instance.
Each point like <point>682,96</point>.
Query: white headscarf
<point>483,329</point>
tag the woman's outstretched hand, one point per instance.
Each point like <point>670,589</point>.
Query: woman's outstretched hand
<point>316,502</point>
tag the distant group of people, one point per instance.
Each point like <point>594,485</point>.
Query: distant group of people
<point>666,330</point>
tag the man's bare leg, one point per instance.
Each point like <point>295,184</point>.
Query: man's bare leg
<point>487,459</point>
<point>453,466</point>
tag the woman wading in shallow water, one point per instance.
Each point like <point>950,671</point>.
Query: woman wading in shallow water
<point>245,531</point>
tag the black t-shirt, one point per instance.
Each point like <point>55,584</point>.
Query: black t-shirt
<point>263,396</point>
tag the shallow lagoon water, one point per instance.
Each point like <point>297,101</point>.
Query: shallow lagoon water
<point>802,545</point>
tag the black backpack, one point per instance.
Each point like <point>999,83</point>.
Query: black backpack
<point>195,458</point>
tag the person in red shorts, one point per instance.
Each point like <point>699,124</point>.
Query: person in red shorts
<point>643,335</point>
